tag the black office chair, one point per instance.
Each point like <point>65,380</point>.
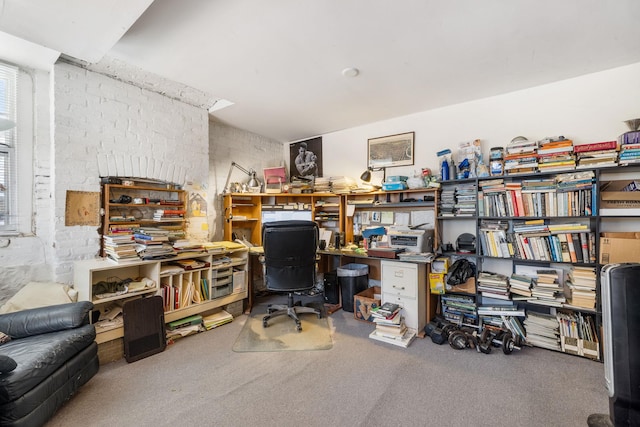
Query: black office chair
<point>289,264</point>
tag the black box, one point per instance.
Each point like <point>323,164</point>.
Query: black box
<point>331,288</point>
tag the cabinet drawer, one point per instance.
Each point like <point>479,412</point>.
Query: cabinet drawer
<point>221,272</point>
<point>399,278</point>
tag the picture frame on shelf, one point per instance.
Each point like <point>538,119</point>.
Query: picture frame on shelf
<point>391,150</point>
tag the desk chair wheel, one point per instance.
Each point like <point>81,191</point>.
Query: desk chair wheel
<point>298,327</point>
<point>265,323</point>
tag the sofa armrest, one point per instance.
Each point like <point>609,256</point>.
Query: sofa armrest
<point>42,320</point>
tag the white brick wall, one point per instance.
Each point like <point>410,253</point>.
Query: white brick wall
<point>93,121</point>
<point>98,117</point>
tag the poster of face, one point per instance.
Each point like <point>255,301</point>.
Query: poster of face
<point>306,158</point>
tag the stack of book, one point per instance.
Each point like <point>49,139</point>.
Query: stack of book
<point>546,289</point>
<point>155,251</point>
<point>543,330</point>
<point>521,157</point>
<point>152,243</point>
<point>630,152</point>
<point>217,319</point>
<point>447,201</point>
<point>168,215</point>
<point>493,285</point>
<point>555,154</point>
<point>459,309</point>
<point>390,326</point>
<point>596,155</point>
<point>580,287</point>
<point>120,247</point>
<point>340,184</point>
<point>465,200</point>
<point>520,287</point>
<point>493,314</point>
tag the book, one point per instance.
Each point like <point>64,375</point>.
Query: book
<point>187,321</point>
<point>595,146</point>
<point>387,309</point>
<point>403,341</point>
<point>572,251</point>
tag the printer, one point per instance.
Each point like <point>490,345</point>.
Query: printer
<point>418,240</point>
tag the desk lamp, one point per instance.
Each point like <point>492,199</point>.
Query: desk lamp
<point>366,175</point>
<point>254,185</point>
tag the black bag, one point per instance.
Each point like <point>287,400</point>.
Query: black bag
<point>460,271</point>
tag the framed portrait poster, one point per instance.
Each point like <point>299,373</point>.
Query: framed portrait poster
<point>306,158</point>
<point>390,151</point>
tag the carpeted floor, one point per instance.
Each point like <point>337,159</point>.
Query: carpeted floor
<point>201,381</point>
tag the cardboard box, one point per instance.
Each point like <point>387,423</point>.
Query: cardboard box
<point>364,301</point>
<point>239,281</point>
<point>620,197</point>
<point>468,287</point>
<point>619,247</point>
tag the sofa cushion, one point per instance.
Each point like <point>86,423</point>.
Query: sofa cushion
<point>7,364</point>
<point>39,356</point>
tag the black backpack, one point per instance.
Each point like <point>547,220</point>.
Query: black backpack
<point>460,271</point>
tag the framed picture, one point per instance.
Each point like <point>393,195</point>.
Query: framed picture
<point>390,151</point>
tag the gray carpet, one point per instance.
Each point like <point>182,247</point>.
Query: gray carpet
<point>200,381</point>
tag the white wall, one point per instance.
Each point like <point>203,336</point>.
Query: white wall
<point>586,109</point>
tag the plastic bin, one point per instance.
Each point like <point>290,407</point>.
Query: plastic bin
<point>353,279</point>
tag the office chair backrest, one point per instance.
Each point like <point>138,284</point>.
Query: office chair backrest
<point>290,254</point>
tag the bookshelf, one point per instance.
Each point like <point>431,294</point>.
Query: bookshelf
<point>244,213</point>
<point>536,224</point>
<point>143,204</point>
<point>219,278</point>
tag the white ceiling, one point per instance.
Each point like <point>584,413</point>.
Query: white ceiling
<point>280,61</point>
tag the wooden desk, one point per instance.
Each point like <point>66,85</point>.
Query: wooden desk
<point>330,260</point>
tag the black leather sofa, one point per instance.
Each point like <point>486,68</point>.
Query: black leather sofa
<point>55,353</point>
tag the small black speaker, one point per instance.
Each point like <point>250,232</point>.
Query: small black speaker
<point>331,288</point>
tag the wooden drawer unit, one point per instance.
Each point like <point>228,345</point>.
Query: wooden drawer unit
<point>405,284</point>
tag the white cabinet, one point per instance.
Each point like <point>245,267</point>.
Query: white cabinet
<point>405,284</point>
<point>217,280</point>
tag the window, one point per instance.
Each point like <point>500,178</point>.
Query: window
<point>8,179</point>
<point>10,206</point>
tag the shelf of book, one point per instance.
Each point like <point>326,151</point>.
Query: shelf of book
<point>187,284</point>
<point>564,206</point>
